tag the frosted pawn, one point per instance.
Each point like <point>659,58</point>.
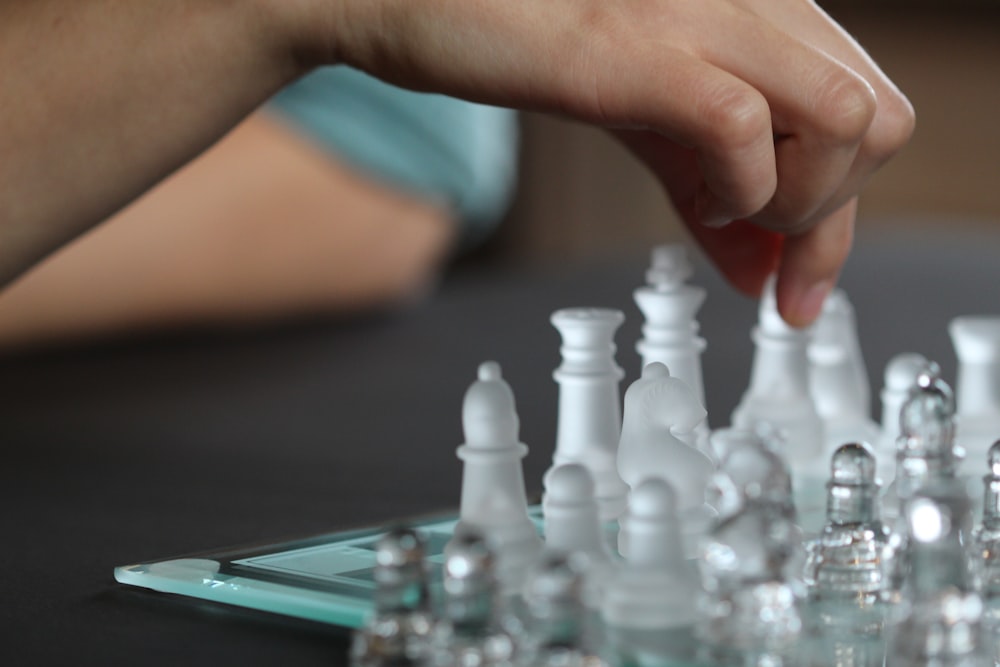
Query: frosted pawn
<point>901,375</point>
<point>398,633</point>
<point>589,422</point>
<point>573,525</point>
<point>659,408</point>
<point>494,500</point>
<point>977,388</point>
<point>838,379</point>
<point>670,333</point>
<point>653,589</point>
<point>779,395</point>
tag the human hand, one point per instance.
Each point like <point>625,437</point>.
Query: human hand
<point>762,112</point>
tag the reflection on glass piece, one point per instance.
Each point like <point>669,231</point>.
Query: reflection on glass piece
<point>398,631</point>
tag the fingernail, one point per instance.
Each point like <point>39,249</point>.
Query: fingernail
<point>808,306</point>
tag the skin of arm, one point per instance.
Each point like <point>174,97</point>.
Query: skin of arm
<point>761,118</point>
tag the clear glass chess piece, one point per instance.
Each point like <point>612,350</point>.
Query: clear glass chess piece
<point>846,570</point>
<point>985,546</point>
<point>471,631</point>
<point>750,469</point>
<point>398,632</point>
<point>559,630</point>
<point>846,562</point>
<point>939,620</point>
<point>926,454</point>
<point>750,612</point>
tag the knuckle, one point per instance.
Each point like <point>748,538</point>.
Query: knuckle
<point>894,125</point>
<point>847,107</point>
<point>737,118</point>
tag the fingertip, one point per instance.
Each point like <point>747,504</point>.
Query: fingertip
<point>810,265</point>
<point>800,304</point>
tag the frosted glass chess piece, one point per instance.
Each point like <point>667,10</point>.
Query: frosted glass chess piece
<point>779,395</point>
<point>494,500</point>
<point>573,525</point>
<point>658,407</point>
<point>471,628</point>
<point>901,375</point>
<point>939,620</point>
<point>985,547</point>
<point>977,387</point>
<point>838,379</point>
<point>557,628</point>
<point>750,612</point>
<point>398,632</point>
<point>589,422</point>
<point>670,333</point>
<point>648,604</point>
<point>847,560</point>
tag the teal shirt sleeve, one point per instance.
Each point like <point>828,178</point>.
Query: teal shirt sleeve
<point>431,145</point>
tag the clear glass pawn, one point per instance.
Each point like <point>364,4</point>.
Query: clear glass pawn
<point>559,630</point>
<point>939,620</point>
<point>398,632</point>
<point>846,562</point>
<point>846,568</point>
<point>471,631</point>
<point>926,450</point>
<point>985,546</point>
<point>926,454</point>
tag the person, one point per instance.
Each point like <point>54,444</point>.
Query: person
<point>762,119</point>
<point>343,195</point>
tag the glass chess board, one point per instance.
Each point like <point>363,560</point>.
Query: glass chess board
<point>326,578</point>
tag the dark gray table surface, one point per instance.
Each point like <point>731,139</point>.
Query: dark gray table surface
<point>137,451</point>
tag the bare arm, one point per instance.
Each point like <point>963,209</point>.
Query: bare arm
<point>100,99</point>
<point>761,112</point>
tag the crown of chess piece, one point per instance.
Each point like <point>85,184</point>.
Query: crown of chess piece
<point>399,631</point>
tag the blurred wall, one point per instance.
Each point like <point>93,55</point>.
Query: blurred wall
<point>583,196</point>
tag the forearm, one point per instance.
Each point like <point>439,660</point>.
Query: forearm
<point>102,98</point>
